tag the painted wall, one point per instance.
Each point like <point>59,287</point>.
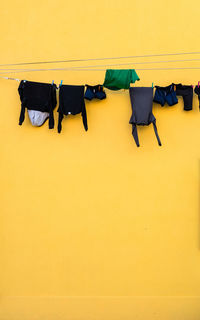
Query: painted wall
<point>91,227</point>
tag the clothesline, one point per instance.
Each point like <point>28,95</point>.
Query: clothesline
<point>98,59</point>
<point>105,65</point>
<point>87,69</point>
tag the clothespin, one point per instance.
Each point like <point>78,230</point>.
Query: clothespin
<point>152,85</point>
<point>61,83</point>
<point>198,84</point>
<point>52,82</point>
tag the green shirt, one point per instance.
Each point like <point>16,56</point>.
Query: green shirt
<point>120,79</point>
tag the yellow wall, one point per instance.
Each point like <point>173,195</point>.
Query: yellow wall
<point>91,227</point>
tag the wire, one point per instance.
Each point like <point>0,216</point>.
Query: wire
<point>8,78</point>
<point>98,59</point>
<point>54,69</point>
<point>107,65</point>
<point>133,63</point>
<point>145,69</point>
<point>93,66</point>
<point>87,69</point>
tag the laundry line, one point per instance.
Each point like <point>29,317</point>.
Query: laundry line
<point>105,65</point>
<point>103,70</point>
<point>103,58</point>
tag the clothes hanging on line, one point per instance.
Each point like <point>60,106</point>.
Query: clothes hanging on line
<point>38,118</point>
<point>165,95</point>
<point>169,95</point>
<point>95,92</point>
<point>120,79</point>
<point>71,101</point>
<point>40,101</point>
<point>186,92</point>
<point>142,103</point>
<point>197,91</point>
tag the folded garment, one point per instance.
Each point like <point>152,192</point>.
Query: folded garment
<point>71,101</point>
<point>142,102</point>
<point>40,98</point>
<point>120,79</point>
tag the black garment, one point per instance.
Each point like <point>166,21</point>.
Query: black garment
<point>197,91</point>
<point>142,102</point>
<point>71,102</point>
<point>187,93</point>
<point>165,94</point>
<point>37,96</point>
<point>95,92</point>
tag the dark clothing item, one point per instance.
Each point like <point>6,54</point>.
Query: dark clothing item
<point>71,101</point>
<point>95,92</point>
<point>197,91</point>
<point>165,94</point>
<point>142,102</point>
<point>120,79</point>
<point>39,97</point>
<point>187,93</point>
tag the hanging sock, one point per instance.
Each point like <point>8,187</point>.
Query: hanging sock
<point>142,103</point>
<point>71,101</point>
